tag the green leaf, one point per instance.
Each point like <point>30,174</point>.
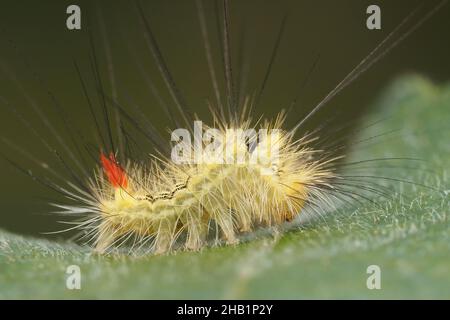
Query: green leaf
<point>407,235</point>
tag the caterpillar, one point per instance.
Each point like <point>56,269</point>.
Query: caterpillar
<point>247,181</point>
<point>187,199</point>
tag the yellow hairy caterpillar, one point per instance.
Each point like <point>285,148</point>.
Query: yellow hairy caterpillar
<point>167,202</point>
<point>238,175</point>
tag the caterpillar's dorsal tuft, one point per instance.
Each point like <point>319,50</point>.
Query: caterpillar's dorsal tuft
<point>115,173</point>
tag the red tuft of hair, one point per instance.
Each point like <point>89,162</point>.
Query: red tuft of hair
<point>115,173</point>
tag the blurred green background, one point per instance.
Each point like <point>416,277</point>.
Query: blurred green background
<point>39,52</point>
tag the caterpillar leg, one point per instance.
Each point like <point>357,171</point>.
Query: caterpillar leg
<point>165,236</point>
<point>105,238</point>
<point>225,222</point>
<point>197,229</point>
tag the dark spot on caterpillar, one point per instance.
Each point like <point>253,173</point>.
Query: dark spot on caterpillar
<point>163,195</point>
<point>167,195</point>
